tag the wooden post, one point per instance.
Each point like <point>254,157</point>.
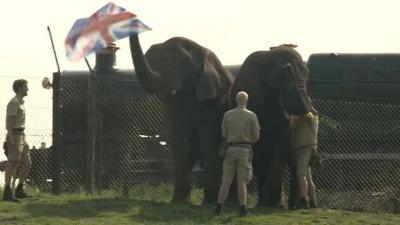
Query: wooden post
<point>91,132</point>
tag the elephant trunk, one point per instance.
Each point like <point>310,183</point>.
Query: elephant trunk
<point>296,101</point>
<point>148,77</point>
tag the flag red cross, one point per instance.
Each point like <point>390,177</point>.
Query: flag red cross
<point>102,25</point>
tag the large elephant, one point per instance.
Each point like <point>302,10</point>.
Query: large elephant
<point>194,88</point>
<point>276,82</point>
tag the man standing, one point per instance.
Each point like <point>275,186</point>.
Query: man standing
<point>304,141</point>
<point>17,149</point>
<point>240,130</point>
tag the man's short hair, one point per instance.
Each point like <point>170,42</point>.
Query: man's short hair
<point>241,98</point>
<point>18,84</point>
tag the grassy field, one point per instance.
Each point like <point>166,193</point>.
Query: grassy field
<point>112,209</point>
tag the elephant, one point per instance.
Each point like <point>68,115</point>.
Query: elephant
<point>194,88</point>
<point>275,81</point>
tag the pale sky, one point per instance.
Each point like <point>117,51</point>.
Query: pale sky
<point>231,28</point>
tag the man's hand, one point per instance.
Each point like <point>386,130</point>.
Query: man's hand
<point>309,115</point>
<point>5,147</point>
<point>3,165</point>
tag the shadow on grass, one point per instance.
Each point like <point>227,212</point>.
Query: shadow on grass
<point>137,210</point>
<point>173,213</point>
<point>84,208</point>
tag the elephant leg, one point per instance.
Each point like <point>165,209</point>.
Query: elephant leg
<point>293,188</point>
<point>182,171</point>
<point>261,174</point>
<point>180,135</point>
<point>274,185</point>
<point>209,137</point>
<point>212,179</point>
<point>293,195</point>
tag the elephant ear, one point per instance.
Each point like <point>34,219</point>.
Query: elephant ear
<point>214,80</point>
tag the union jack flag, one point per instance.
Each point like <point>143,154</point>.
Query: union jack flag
<point>94,33</point>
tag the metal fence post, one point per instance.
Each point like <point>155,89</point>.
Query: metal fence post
<point>91,133</point>
<point>57,135</point>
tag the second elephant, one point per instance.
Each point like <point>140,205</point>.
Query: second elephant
<point>276,82</point>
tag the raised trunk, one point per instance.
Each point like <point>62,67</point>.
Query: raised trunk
<point>294,97</point>
<point>149,78</point>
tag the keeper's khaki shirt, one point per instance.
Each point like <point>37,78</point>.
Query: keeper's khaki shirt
<point>16,109</point>
<point>240,125</point>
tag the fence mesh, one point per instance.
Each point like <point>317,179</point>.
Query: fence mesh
<point>358,139</point>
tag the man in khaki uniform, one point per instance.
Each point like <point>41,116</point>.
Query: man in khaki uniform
<point>304,141</point>
<point>240,129</point>
<point>17,149</point>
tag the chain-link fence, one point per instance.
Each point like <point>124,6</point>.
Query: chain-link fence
<point>131,142</point>
<point>358,139</point>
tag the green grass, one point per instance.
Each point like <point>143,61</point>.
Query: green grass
<point>105,209</point>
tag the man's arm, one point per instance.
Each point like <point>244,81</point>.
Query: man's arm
<point>12,110</point>
<point>256,129</point>
<point>224,129</point>
<point>10,121</point>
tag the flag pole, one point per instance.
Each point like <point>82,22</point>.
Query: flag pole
<point>54,49</point>
<point>91,131</point>
<point>57,134</point>
<point>88,65</point>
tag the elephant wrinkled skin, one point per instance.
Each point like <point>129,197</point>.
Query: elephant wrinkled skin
<point>276,82</point>
<point>194,88</point>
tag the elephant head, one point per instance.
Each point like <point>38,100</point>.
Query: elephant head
<point>180,65</point>
<point>279,73</point>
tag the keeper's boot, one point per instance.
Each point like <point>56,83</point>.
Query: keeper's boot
<point>20,193</point>
<point>313,204</point>
<point>303,204</point>
<point>218,210</point>
<point>243,210</point>
<point>8,195</point>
